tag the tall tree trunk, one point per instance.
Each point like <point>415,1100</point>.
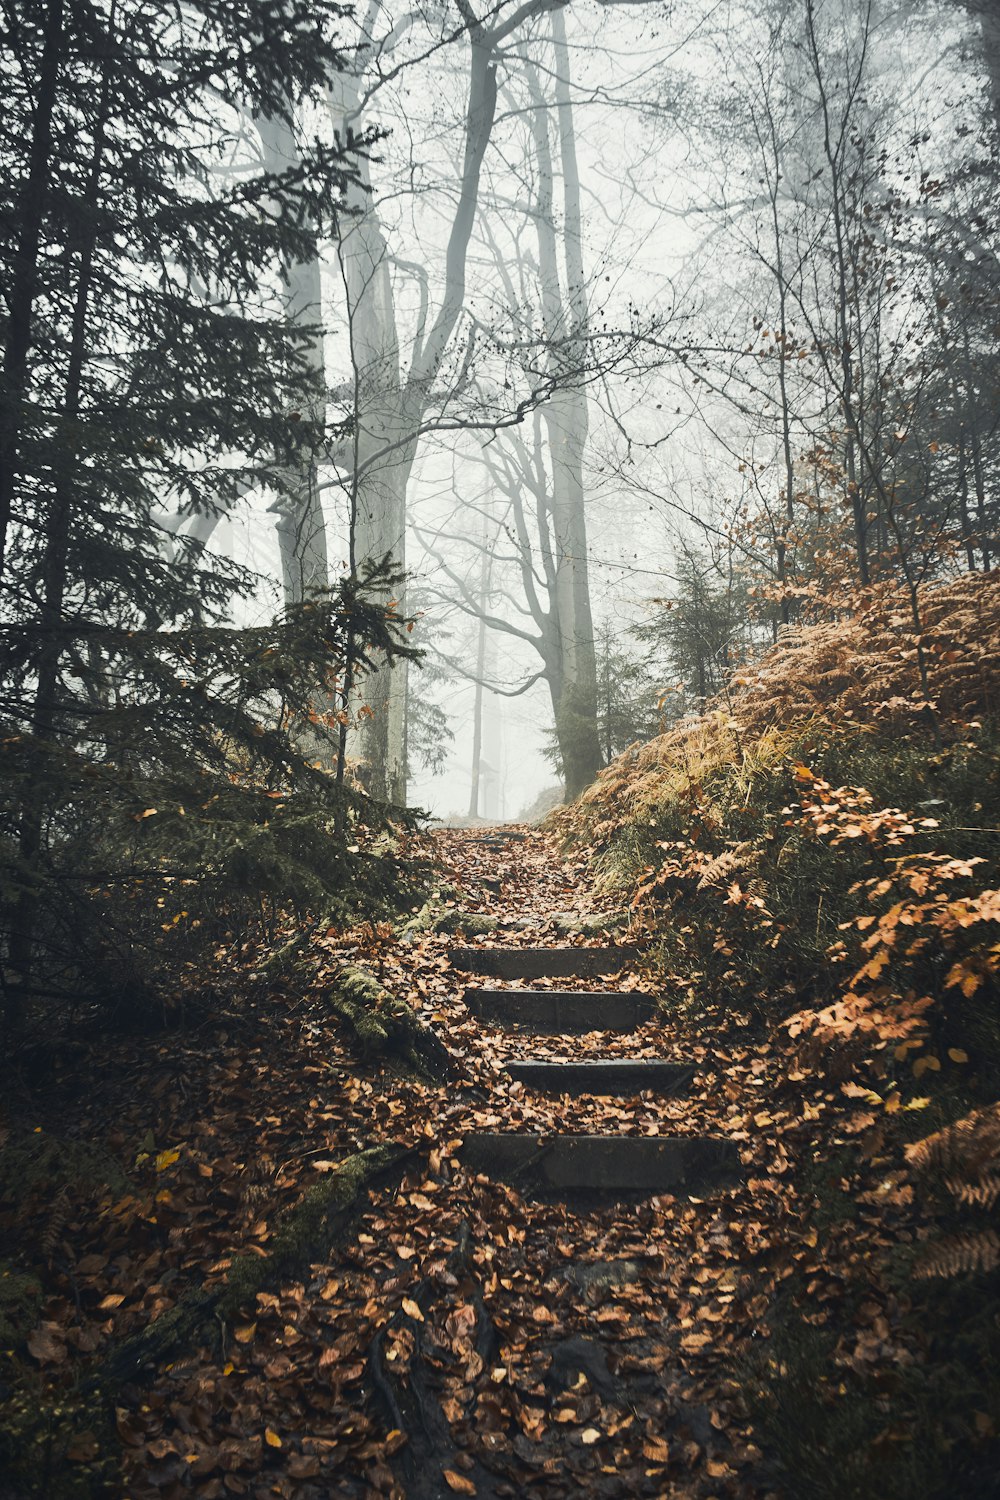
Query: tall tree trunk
<point>55,556</point>
<point>378,465</point>
<point>389,413</point>
<point>477,707</point>
<point>574,685</point>
<point>847,336</point>
<point>300,524</point>
<point>21,295</point>
<point>989,26</point>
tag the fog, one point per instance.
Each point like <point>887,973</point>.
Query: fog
<point>545,334</point>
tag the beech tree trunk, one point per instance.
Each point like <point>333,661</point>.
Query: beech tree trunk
<point>388,411</point>
<point>477,709</point>
<point>300,525</point>
<point>572,675</point>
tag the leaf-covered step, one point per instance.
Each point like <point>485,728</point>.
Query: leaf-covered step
<point>495,840</point>
<point>625,1077</point>
<point>605,1164</point>
<point>543,963</point>
<point>559,1011</point>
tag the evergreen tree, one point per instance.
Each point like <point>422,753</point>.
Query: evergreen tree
<point>148,368</point>
<point>628,695</point>
<point>700,632</point>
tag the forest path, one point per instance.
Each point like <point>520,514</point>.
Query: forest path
<point>571,1162</point>
<point>448,1332</point>
<point>565,1331</point>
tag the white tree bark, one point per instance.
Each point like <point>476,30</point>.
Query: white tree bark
<point>390,408</point>
<point>300,525</point>
<point>573,676</point>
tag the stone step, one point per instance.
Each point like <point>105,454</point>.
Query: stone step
<point>559,1011</point>
<point>543,963</point>
<point>604,1165</point>
<point>496,840</point>
<point>605,1075</point>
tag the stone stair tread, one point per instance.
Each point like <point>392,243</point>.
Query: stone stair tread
<point>543,963</point>
<point>605,1164</point>
<point>561,1011</point>
<point>495,840</point>
<point>626,1076</point>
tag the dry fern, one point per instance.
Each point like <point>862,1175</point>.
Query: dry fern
<point>967,1151</point>
<point>859,670</point>
<point>967,1155</point>
<point>56,1222</point>
<point>725,864</point>
<point>961,1254</point>
<point>981,1194</point>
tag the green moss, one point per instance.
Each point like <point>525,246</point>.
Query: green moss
<point>384,1025</point>
<point>46,1440</point>
<point>589,924</point>
<point>40,1164</point>
<point>437,916</point>
<point>309,1229</point>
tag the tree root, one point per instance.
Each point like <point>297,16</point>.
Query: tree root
<point>307,1235</point>
<point>410,1401</point>
<point>314,1225</point>
<point>383,1025</point>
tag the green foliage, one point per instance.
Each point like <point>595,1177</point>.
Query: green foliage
<point>166,777</point>
<point>629,692</point>
<point>20,1299</point>
<point>195,803</point>
<point>697,634</point>
<point>36,1166</point>
<point>628,695</point>
<point>925,1432</point>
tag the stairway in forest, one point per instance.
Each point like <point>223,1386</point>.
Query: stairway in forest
<point>568,1163</point>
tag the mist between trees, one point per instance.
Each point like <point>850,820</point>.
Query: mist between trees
<point>378,386</point>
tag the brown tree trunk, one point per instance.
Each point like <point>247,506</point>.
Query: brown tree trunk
<point>55,560</point>
<point>23,289</point>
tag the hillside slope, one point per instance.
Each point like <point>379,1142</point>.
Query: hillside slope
<point>817,860</point>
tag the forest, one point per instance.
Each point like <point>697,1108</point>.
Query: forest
<point>500,749</point>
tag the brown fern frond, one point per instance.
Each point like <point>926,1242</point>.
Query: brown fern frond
<point>968,1150</point>
<point>56,1223</point>
<point>724,864</point>
<point>981,1194</point>
<point>960,1254</point>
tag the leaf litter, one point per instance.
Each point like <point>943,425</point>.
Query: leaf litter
<point>459,1338</point>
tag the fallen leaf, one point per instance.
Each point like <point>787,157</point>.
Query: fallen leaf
<point>45,1344</point>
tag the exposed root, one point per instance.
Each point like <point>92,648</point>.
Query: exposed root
<point>314,1225</point>
<point>307,1234</point>
<point>437,916</point>
<point>405,1387</point>
<point>385,1026</point>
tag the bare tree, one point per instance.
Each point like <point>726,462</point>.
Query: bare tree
<point>394,399</point>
